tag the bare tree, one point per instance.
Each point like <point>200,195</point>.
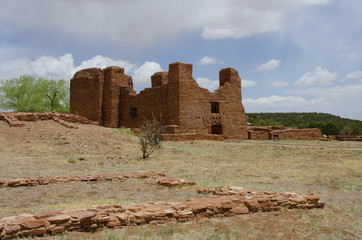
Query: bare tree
<point>151,136</point>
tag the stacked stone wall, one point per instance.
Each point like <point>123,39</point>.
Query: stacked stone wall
<point>221,202</point>
<point>16,119</point>
<point>267,133</point>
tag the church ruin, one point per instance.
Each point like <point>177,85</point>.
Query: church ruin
<point>188,111</point>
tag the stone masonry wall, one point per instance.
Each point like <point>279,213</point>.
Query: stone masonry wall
<point>86,94</point>
<point>15,119</point>
<point>266,133</point>
<point>185,108</point>
<point>221,202</point>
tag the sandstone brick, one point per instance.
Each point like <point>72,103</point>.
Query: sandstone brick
<point>9,230</point>
<point>54,229</point>
<point>240,209</point>
<point>312,198</point>
<point>58,219</point>
<point>33,232</point>
<point>31,223</point>
<point>86,216</point>
<point>253,205</point>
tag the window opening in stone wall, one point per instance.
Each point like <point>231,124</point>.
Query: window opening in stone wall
<point>216,129</point>
<point>215,107</point>
<point>133,112</point>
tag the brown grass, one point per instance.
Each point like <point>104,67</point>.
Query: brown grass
<point>332,170</point>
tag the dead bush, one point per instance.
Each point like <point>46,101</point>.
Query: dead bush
<point>150,137</point>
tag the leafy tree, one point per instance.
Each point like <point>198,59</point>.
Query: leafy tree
<point>18,94</point>
<point>355,128</point>
<point>56,94</point>
<point>331,129</point>
<point>27,94</point>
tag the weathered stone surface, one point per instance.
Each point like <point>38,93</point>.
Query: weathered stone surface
<point>59,219</point>
<point>31,223</point>
<point>9,230</point>
<point>241,209</point>
<point>33,232</point>
<point>228,203</point>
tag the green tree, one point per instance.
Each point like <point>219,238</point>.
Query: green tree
<point>355,128</point>
<point>55,95</point>
<point>27,94</point>
<point>331,129</point>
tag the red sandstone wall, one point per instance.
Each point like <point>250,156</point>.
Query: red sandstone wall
<point>299,134</point>
<point>195,104</point>
<point>107,97</point>
<point>86,92</point>
<point>114,78</point>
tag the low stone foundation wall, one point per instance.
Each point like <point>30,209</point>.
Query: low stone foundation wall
<point>348,138</point>
<point>15,119</point>
<point>238,201</point>
<point>267,133</point>
<point>154,177</point>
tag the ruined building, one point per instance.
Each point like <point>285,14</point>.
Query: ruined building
<point>187,110</point>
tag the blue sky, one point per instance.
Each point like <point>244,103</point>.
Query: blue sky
<point>292,55</point>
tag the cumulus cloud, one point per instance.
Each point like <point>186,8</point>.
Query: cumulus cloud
<point>139,23</point>
<point>279,84</point>
<point>270,65</point>
<point>142,75</point>
<point>44,66</point>
<point>248,83</point>
<point>353,75</point>
<point>63,67</point>
<point>276,103</point>
<point>207,83</point>
<point>103,62</point>
<point>319,77</point>
<point>207,61</point>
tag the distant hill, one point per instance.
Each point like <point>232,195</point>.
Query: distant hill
<point>330,124</point>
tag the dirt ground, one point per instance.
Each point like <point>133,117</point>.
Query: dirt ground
<point>333,170</point>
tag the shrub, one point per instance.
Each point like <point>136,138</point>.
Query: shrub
<point>150,137</point>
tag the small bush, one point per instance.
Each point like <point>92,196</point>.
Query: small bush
<point>150,137</point>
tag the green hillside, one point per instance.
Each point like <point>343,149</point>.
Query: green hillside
<point>328,123</point>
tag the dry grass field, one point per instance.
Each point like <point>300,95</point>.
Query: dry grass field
<point>332,170</point>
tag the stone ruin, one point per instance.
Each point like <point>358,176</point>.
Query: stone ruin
<point>284,133</point>
<point>188,111</point>
<point>220,202</point>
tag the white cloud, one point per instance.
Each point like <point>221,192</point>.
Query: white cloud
<point>353,75</point>
<point>142,75</point>
<point>319,77</point>
<point>141,23</point>
<point>208,83</point>
<point>248,83</point>
<point>341,100</point>
<point>207,61</point>
<point>279,84</point>
<point>56,68</point>
<point>103,62</point>
<point>44,66</point>
<point>270,65</point>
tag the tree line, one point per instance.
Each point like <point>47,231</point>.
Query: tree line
<point>328,123</point>
<point>29,94</point>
